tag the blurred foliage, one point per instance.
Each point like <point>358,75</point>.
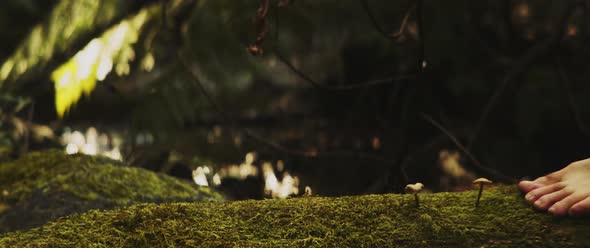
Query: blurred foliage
<point>215,42</point>
<point>192,69</point>
<point>28,13</point>
<point>12,129</point>
<point>69,23</point>
<point>111,50</point>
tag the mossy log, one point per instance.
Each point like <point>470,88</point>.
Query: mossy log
<point>41,186</point>
<point>503,219</point>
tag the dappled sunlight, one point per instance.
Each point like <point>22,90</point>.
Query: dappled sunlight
<point>95,61</point>
<point>92,143</point>
<point>449,162</point>
<point>454,173</point>
<point>67,24</point>
<point>274,187</point>
<point>279,189</point>
<point>200,175</point>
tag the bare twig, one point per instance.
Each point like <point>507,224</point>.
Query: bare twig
<point>308,79</point>
<point>373,20</point>
<point>347,86</point>
<point>402,27</point>
<point>261,28</point>
<point>521,66</point>
<point>294,69</point>
<point>463,149</point>
<point>253,135</point>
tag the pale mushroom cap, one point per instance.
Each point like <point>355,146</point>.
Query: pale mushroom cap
<point>482,180</point>
<point>414,188</point>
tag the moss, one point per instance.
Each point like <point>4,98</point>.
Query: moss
<point>41,186</point>
<point>443,220</point>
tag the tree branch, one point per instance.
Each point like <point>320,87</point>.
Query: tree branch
<point>522,65</point>
<point>404,24</point>
<point>463,149</point>
<point>255,136</point>
<point>373,20</point>
<point>311,81</point>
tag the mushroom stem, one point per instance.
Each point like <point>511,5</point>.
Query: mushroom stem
<point>479,195</point>
<point>414,189</point>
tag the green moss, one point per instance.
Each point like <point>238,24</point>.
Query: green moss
<point>443,220</point>
<point>41,186</point>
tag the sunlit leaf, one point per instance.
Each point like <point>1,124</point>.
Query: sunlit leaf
<point>68,22</point>
<point>93,63</point>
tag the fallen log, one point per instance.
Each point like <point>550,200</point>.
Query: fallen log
<point>502,219</point>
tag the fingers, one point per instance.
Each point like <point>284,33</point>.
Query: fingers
<point>563,206</point>
<point>535,194</point>
<point>581,208</point>
<point>546,201</point>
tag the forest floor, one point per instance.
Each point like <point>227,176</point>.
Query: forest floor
<point>503,219</point>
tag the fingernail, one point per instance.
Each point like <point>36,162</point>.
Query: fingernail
<point>552,210</point>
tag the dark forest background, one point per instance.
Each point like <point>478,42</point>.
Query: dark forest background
<point>354,97</point>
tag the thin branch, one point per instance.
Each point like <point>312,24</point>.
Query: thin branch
<point>463,149</point>
<point>196,81</point>
<point>521,66</point>
<point>308,79</point>
<point>373,20</point>
<point>353,86</point>
<point>403,26</point>
<point>261,28</point>
<point>294,69</point>
<point>252,134</point>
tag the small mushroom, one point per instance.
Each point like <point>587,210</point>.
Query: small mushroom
<point>481,181</point>
<point>307,191</point>
<point>414,189</point>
